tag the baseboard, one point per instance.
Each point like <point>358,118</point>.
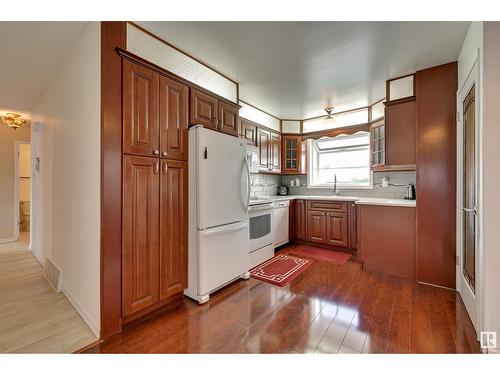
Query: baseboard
<point>6,240</point>
<point>37,256</point>
<point>82,312</point>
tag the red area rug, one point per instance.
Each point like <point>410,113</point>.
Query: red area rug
<point>280,270</point>
<point>321,254</point>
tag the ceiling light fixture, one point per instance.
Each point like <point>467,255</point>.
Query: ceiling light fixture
<point>329,116</point>
<point>13,120</point>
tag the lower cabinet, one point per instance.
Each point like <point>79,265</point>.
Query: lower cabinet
<point>154,247</point>
<point>299,218</point>
<point>328,223</point>
<point>336,229</point>
<point>316,226</point>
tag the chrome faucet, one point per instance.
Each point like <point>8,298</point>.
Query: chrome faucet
<point>334,184</point>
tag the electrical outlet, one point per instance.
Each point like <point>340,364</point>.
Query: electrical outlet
<point>385,181</point>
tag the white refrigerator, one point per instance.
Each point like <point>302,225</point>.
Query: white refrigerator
<point>219,192</point>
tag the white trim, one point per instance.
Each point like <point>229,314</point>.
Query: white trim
<point>7,240</point>
<point>83,313</point>
<point>473,78</point>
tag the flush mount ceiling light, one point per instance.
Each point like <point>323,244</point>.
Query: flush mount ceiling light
<point>13,120</point>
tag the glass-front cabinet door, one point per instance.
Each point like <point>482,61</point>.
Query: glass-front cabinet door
<point>378,144</point>
<point>292,152</point>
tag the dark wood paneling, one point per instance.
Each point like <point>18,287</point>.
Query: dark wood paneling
<point>174,102</point>
<point>248,131</point>
<point>228,118</point>
<point>204,109</point>
<point>436,174</point>
<point>316,226</point>
<point>173,228</point>
<point>327,206</point>
<point>140,235</point>
<point>353,225</point>
<point>387,239</point>
<point>263,142</point>
<point>300,219</point>
<point>140,110</point>
<point>113,35</point>
<point>275,152</point>
<point>400,133</point>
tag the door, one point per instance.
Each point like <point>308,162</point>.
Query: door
<point>291,148</point>
<point>263,141</point>
<point>173,227</point>
<point>316,226</point>
<point>275,152</point>
<point>140,110</point>
<point>249,132</point>
<point>173,119</point>
<point>204,109</point>
<point>300,219</point>
<point>222,179</point>
<point>336,229</point>
<point>140,232</point>
<point>228,118</point>
<point>468,258</point>
<point>400,133</point>
<point>280,225</point>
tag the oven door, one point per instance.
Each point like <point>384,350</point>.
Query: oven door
<point>260,227</point>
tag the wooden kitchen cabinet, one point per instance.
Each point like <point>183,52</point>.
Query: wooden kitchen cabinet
<point>173,228</point>
<point>400,133</point>
<point>299,219</point>
<point>140,110</point>
<point>269,144</point>
<point>316,226</point>
<point>248,131</point>
<point>174,101</point>
<point>154,231</point>
<point>204,109</point>
<point>291,146</point>
<point>336,229</point>
<point>140,232</point>
<point>228,118</point>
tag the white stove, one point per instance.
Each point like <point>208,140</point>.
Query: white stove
<point>260,212</point>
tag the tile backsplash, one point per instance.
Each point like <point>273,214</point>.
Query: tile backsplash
<point>263,184</point>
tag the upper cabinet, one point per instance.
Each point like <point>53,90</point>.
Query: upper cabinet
<point>248,131</point>
<point>155,114</point>
<point>213,113</point>
<point>174,98</point>
<point>140,110</point>
<point>293,151</point>
<point>377,139</point>
<point>269,144</point>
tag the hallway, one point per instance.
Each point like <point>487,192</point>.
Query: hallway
<point>33,318</point>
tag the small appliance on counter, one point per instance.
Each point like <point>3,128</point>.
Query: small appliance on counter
<point>283,190</point>
<point>410,192</point>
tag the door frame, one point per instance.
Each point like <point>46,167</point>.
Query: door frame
<point>473,78</point>
<point>16,189</point>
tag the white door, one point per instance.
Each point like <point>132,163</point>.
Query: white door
<point>468,270</point>
<point>222,179</point>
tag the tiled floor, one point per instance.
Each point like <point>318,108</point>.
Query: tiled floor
<point>330,308</point>
<point>33,318</point>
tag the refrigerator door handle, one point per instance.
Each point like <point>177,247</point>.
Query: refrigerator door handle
<point>224,229</point>
<point>248,181</point>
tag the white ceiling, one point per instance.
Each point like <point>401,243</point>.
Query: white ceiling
<point>292,69</point>
<point>30,54</point>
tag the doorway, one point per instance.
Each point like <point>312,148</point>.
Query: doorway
<point>468,203</point>
<point>22,191</point>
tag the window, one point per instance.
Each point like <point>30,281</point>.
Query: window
<point>346,156</point>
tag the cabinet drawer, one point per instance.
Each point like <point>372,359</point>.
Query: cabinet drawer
<point>327,205</point>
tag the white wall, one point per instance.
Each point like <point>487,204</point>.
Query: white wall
<point>67,188</point>
<point>491,176</point>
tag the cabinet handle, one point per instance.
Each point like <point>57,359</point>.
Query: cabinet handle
<point>156,167</point>
<point>156,152</point>
<point>164,153</point>
<point>164,168</point>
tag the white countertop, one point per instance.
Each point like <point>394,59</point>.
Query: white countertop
<point>345,198</point>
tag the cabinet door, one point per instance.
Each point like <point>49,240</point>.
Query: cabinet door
<point>336,229</point>
<point>263,143</point>
<point>228,118</point>
<point>140,110</point>
<point>275,152</point>
<point>140,232</point>
<point>173,227</point>
<point>291,147</point>
<point>204,109</point>
<point>173,119</point>
<point>400,133</point>
<point>248,131</point>
<point>316,226</point>
<point>300,219</point>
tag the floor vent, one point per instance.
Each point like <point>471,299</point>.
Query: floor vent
<point>53,275</point>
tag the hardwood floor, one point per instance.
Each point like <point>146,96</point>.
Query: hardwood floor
<point>33,318</point>
<point>328,309</point>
